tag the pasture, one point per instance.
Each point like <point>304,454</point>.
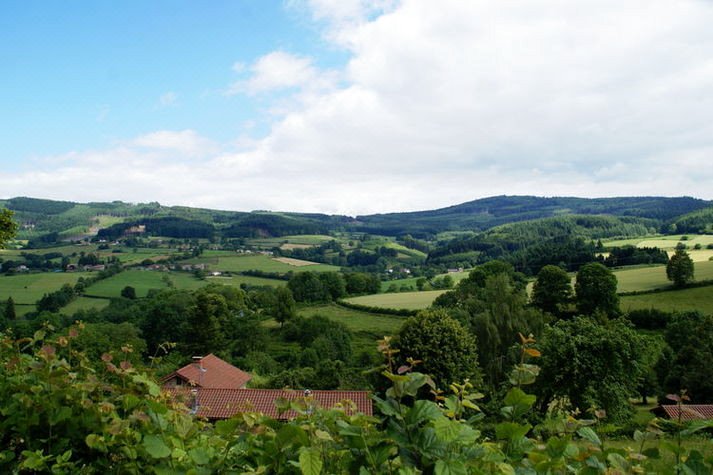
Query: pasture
<point>241,263</point>
<point>411,281</point>
<point>236,280</point>
<point>367,327</point>
<point>697,298</point>
<point>663,242</point>
<point>83,303</point>
<point>299,240</point>
<point>28,288</point>
<point>654,277</point>
<point>142,282</point>
<point>405,300</point>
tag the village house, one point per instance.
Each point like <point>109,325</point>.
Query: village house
<point>215,389</point>
<point>687,412</point>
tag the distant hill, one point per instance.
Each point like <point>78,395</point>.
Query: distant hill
<point>57,220</point>
<point>486,213</point>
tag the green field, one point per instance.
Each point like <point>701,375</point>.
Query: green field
<point>405,300</point>
<point>368,328</point>
<point>698,298</point>
<point>29,288</point>
<point>236,280</point>
<point>411,281</point>
<point>651,278</point>
<point>235,263</point>
<point>663,242</point>
<point>142,281</point>
<point>84,303</point>
<point>304,239</point>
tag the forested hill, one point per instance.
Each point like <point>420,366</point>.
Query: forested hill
<point>490,212</point>
<point>51,220</point>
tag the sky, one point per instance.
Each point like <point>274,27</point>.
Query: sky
<point>353,106</point>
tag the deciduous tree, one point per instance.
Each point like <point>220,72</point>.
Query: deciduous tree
<point>596,290</point>
<point>679,269</point>
<point>552,290</point>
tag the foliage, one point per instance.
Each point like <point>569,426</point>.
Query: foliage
<point>686,364</point>
<point>592,365</point>
<point>128,292</point>
<point>8,227</point>
<point>63,413</point>
<point>679,269</point>
<point>631,255</point>
<point>552,290</point>
<point>595,290</point>
<point>447,350</point>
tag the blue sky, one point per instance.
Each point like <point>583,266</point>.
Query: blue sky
<point>354,106</point>
<point>81,74</point>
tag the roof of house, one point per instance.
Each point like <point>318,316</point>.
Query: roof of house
<point>216,373</point>
<point>225,403</point>
<point>689,412</point>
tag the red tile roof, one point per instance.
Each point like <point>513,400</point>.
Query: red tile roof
<point>689,412</point>
<point>225,403</point>
<point>216,373</point>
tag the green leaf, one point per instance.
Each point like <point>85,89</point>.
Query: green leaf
<point>290,434</point>
<point>96,442</point>
<point>446,429</point>
<point>156,447</point>
<point>450,467</point>
<point>422,411</point>
<point>226,427</point>
<point>63,414</point>
<point>199,455</point>
<point>310,461</point>
<point>588,434</point>
<point>511,431</point>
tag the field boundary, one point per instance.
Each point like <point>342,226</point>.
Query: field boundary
<point>401,312</point>
<point>669,288</point>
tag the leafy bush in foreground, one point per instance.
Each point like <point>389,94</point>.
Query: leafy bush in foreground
<point>61,413</point>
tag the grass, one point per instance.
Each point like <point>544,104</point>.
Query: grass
<point>411,281</point>
<point>368,328</point>
<point>235,263</point>
<point>84,303</point>
<point>697,298</point>
<point>406,300</point>
<point>654,277</point>
<point>236,280</point>
<point>664,464</point>
<point>304,239</point>
<point>142,282</point>
<point>29,288</point>
<point>662,242</point>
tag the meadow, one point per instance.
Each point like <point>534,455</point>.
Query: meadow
<point>143,281</point>
<point>654,277</point>
<point>236,263</point>
<point>405,300</point>
<point>300,240</point>
<point>697,298</point>
<point>411,281</point>
<point>367,327</point>
<point>29,288</point>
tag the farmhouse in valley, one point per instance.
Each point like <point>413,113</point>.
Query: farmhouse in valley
<point>215,389</point>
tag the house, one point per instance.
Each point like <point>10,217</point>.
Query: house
<point>216,404</point>
<point>688,412</point>
<point>215,389</point>
<point>207,372</point>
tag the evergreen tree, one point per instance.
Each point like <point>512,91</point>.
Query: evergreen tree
<point>10,313</point>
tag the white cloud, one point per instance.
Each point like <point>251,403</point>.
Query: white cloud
<point>279,70</point>
<point>443,102</point>
<point>184,142</point>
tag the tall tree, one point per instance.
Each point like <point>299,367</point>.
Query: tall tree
<point>283,305</point>
<point>679,269</point>
<point>10,313</point>
<point>592,365</point>
<point>552,290</point>
<point>596,290</point>
<point>447,351</point>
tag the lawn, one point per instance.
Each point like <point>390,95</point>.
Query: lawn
<point>29,288</point>
<point>698,298</point>
<point>264,263</point>
<point>367,327</point>
<point>406,300</point>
